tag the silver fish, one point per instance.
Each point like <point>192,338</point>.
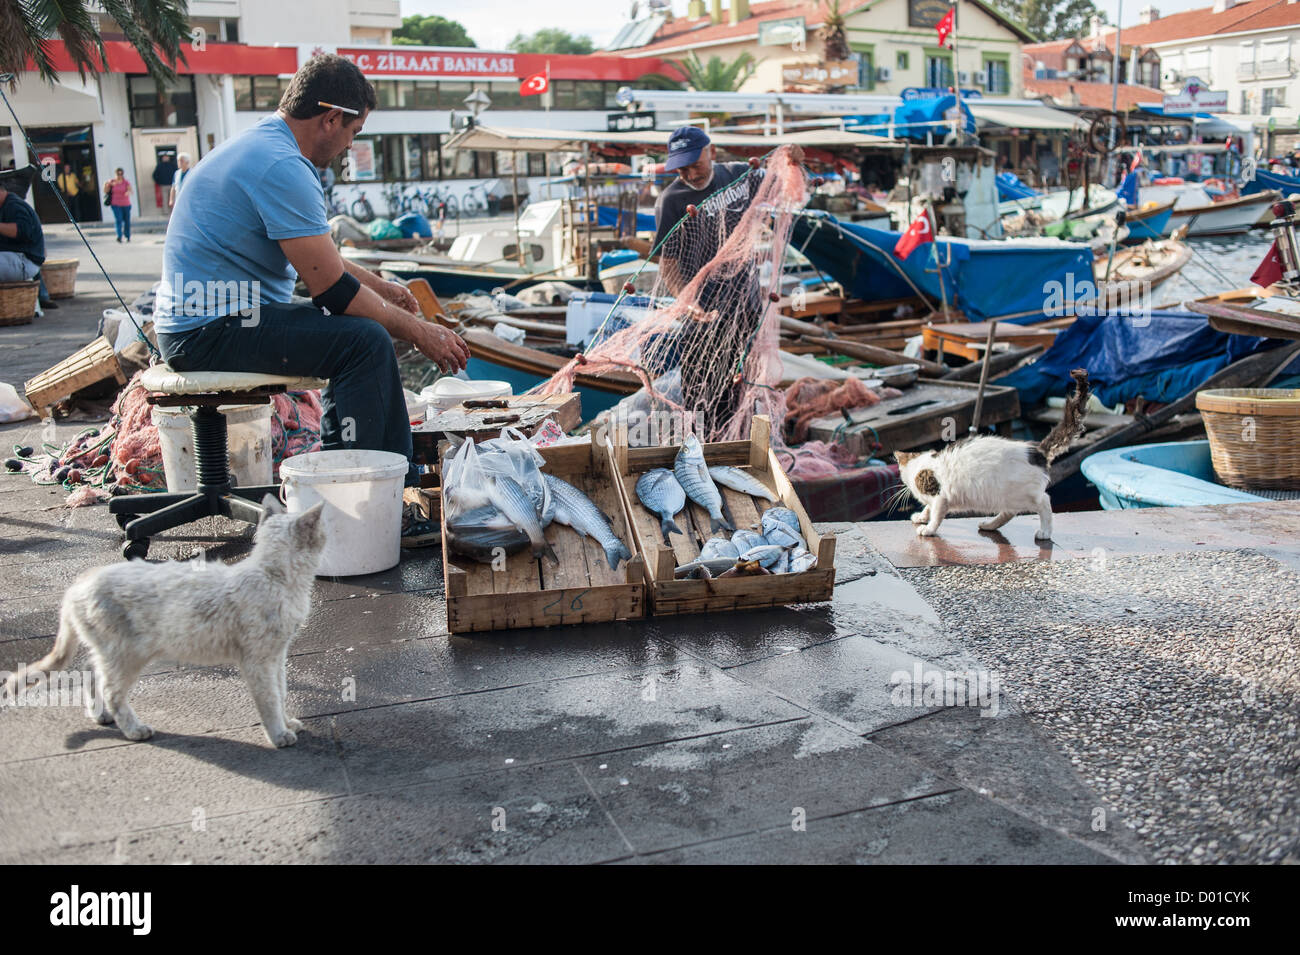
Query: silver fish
<point>719,547</point>
<point>745,539</point>
<point>483,533</point>
<point>659,491</point>
<point>781,535</point>
<point>575,509</point>
<point>766,554</point>
<point>782,565</point>
<point>694,478</point>
<point>710,567</point>
<point>512,501</point>
<point>801,560</point>
<point>741,481</point>
<point>780,514</point>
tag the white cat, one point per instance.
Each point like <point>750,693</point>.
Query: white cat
<point>990,475</point>
<point>208,613</point>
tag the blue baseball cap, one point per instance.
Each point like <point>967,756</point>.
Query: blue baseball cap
<point>685,146</point>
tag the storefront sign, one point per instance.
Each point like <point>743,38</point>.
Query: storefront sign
<point>926,13</point>
<point>629,122</point>
<point>1195,98</point>
<point>930,92</point>
<point>834,73</point>
<point>361,160</point>
<point>392,62</point>
<point>791,30</point>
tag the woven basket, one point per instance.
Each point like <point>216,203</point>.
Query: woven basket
<point>1254,436</point>
<point>60,277</point>
<point>18,302</point>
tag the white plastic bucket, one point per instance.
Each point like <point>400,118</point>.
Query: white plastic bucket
<point>362,491</point>
<point>449,391</point>
<point>248,436</point>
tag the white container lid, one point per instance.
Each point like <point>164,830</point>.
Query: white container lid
<point>446,392</point>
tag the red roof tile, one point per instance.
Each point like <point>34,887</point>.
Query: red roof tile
<point>1092,95</point>
<point>1251,15</point>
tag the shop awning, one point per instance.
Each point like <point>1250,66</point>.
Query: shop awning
<point>561,140</point>
<point>1022,117</point>
<point>68,103</point>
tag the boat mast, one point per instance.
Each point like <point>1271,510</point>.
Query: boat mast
<point>1114,95</point>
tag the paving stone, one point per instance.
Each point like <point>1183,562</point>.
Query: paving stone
<point>748,780</point>
<point>749,636</point>
<point>951,829</point>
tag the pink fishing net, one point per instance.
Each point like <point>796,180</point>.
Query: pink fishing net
<point>721,327</point>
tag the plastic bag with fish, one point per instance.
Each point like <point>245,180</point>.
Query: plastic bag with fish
<point>517,457</point>
<point>474,480</point>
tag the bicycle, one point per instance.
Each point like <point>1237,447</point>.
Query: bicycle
<point>488,205</point>
<point>334,206</point>
<point>440,205</point>
<point>361,208</point>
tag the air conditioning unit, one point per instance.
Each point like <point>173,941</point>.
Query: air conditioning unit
<point>963,78</point>
<point>980,77</point>
<point>884,74</point>
<point>1169,77</point>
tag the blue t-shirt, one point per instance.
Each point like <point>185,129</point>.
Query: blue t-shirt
<point>222,253</point>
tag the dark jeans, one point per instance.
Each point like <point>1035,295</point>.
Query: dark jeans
<point>122,219</point>
<point>364,406</point>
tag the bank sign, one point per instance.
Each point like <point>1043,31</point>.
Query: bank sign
<point>374,62</point>
<point>1195,98</point>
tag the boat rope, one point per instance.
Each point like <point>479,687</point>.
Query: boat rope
<point>1209,266</point>
<point>4,79</point>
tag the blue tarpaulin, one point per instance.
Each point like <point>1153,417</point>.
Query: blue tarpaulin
<point>1160,356</point>
<point>1009,280</point>
<point>608,216</point>
<point>914,118</point>
<point>1010,187</point>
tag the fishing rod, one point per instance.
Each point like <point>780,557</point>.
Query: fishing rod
<point>5,79</point>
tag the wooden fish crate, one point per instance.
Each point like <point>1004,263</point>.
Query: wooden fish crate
<point>82,368</point>
<point>532,592</point>
<point>670,596</point>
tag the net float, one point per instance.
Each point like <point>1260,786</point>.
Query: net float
<point>692,211</point>
<point>25,452</point>
<point>74,476</point>
<point>629,288</point>
<point>100,461</point>
<point>755,162</point>
<point>131,466</point>
<point>774,296</point>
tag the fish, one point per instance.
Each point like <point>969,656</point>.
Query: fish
<point>766,554</point>
<point>745,539</point>
<point>575,509</point>
<point>521,465</point>
<point>719,547</point>
<point>782,565</point>
<point>483,534</point>
<point>659,491</point>
<point>801,560</point>
<point>781,535</point>
<point>741,481</point>
<point>694,478</point>
<point>782,515</point>
<point>711,567</point>
<point>512,501</point>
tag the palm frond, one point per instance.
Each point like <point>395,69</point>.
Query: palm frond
<point>157,29</point>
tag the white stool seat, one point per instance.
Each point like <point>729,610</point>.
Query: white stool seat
<point>164,379</point>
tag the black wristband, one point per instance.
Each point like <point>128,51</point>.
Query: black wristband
<point>339,296</point>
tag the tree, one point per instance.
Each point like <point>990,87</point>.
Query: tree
<point>155,28</point>
<point>1051,19</point>
<point>551,40</point>
<point>431,31</point>
<point>833,36</point>
<point>716,75</point>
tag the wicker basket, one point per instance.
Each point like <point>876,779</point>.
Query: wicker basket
<point>18,302</point>
<point>1254,436</point>
<point>60,277</point>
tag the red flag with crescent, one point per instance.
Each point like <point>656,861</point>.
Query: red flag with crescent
<point>537,83</point>
<point>945,26</point>
<point>918,233</point>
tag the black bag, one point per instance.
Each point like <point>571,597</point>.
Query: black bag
<point>108,195</point>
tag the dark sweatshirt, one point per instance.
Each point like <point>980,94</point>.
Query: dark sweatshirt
<point>30,240</point>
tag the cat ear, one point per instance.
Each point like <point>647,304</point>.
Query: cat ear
<point>902,457</point>
<point>271,505</point>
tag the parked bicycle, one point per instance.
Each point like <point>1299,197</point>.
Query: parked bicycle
<point>361,208</point>
<point>334,206</point>
<point>440,204</point>
<point>484,203</point>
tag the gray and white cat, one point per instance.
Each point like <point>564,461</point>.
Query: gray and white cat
<point>990,475</point>
<point>243,614</point>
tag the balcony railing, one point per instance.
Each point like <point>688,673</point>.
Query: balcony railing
<point>1266,69</point>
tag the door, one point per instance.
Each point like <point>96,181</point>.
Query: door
<point>155,165</point>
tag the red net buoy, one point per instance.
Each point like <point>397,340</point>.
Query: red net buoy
<point>774,296</point>
<point>580,358</point>
<point>755,162</point>
<point>628,287</point>
<point>692,211</point>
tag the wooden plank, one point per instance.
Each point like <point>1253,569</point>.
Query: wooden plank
<point>875,354</point>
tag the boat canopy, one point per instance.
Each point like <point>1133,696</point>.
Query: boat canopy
<point>525,139</point>
<point>1005,279</point>
<point>1022,117</point>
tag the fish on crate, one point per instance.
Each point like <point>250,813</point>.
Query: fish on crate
<point>704,568</point>
<point>740,480</point>
<point>513,501</point>
<point>767,555</point>
<point>576,510</point>
<point>782,515</point>
<point>483,533</point>
<point>660,493</point>
<point>779,533</point>
<point>745,539</point>
<point>801,560</point>
<point>693,475</point>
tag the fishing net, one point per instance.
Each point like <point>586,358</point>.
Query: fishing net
<point>707,346</point>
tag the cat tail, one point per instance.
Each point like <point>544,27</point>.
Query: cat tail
<point>1076,408</point>
<point>65,649</point>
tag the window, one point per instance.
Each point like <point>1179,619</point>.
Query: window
<point>430,144</point>
<point>1274,96</point>
<point>997,77</point>
<point>866,58</point>
<point>243,92</point>
<point>452,95</point>
<point>505,94</point>
<point>938,70</point>
<point>537,164</point>
<point>900,61</point>
<point>564,94</point>
<point>267,91</point>
<point>174,106</point>
<point>589,95</point>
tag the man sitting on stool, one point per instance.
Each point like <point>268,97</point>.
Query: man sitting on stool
<point>22,240</point>
<point>249,220</point>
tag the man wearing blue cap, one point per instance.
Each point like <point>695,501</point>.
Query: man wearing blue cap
<point>720,197</point>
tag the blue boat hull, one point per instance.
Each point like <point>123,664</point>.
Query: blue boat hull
<point>1264,181</point>
<point>1150,228</point>
<point>1171,474</point>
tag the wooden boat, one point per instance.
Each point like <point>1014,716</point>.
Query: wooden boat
<point>1202,216</point>
<point>1169,474</point>
<point>1135,271</point>
<point>1151,222</point>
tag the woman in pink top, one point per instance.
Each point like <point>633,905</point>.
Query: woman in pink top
<point>118,192</point>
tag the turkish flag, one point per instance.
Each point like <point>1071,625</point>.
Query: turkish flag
<point>1270,270</point>
<point>537,83</point>
<point>1137,161</point>
<point>918,233</point>
<point>945,26</point>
